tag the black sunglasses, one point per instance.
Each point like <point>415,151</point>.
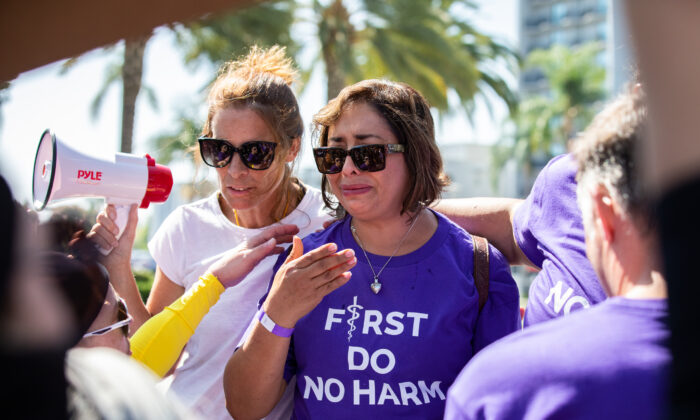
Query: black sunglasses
<point>257,155</point>
<point>367,157</point>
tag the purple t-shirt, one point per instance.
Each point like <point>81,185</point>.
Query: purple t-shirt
<point>393,355</point>
<point>608,362</point>
<point>548,228</point>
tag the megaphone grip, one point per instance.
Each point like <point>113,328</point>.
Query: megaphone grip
<point>122,219</point>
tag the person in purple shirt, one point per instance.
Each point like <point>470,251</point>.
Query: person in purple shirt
<point>610,361</point>
<point>391,340</point>
<point>544,231</point>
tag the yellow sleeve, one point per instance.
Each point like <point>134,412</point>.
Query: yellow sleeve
<point>159,342</point>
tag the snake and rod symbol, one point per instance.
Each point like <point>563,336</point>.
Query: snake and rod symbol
<point>355,314</point>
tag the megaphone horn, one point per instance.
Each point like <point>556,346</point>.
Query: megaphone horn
<point>63,172</point>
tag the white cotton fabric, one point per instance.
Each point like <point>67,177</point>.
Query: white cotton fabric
<point>189,241</point>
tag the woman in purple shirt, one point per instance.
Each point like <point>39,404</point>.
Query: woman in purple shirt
<point>391,340</point>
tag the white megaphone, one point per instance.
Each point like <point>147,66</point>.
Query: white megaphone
<point>63,172</point>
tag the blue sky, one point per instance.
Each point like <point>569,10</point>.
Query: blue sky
<point>42,98</point>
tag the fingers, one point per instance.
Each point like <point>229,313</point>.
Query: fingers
<point>103,232</point>
<point>281,233</point>
<point>106,219</point>
<point>326,224</point>
<point>297,249</point>
<point>337,282</point>
<point>314,255</point>
<point>326,263</point>
<point>132,221</point>
<point>333,273</point>
<point>261,251</point>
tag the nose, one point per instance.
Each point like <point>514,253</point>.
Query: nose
<point>349,166</point>
<point>236,167</point>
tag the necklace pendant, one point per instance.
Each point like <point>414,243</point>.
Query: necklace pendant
<point>376,286</point>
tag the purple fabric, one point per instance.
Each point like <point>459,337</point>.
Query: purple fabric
<point>608,362</point>
<point>548,228</point>
<point>394,355</point>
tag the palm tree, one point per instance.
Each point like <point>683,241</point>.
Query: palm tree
<point>128,70</point>
<point>576,84</point>
<point>219,38</point>
<point>428,44</point>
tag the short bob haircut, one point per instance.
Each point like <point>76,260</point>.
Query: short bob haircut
<point>408,116</point>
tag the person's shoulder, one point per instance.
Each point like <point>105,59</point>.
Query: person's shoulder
<point>452,229</point>
<point>330,234</point>
<point>560,168</point>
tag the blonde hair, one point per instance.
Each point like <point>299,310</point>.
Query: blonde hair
<point>261,81</point>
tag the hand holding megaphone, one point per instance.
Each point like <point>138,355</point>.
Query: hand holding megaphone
<point>108,236</point>
<point>124,179</point>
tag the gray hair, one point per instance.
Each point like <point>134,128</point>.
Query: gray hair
<point>606,154</point>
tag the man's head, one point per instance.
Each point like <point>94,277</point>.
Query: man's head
<point>619,236</point>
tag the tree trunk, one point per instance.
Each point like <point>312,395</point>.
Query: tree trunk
<point>336,78</point>
<point>132,71</point>
<point>337,36</point>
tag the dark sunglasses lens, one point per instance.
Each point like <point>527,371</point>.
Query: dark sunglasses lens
<point>369,158</point>
<point>258,154</point>
<point>215,153</point>
<point>329,160</point>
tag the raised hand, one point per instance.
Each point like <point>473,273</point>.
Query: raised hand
<point>104,233</point>
<point>231,268</point>
<point>302,282</point>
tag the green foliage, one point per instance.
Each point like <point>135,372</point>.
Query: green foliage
<point>430,45</point>
<point>576,84</point>
<point>182,139</point>
<point>220,38</point>
<point>144,281</point>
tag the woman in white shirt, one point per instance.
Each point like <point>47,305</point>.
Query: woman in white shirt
<point>251,137</point>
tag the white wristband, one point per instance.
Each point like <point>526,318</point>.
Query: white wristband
<point>271,326</point>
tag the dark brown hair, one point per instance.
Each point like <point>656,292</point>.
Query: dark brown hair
<point>408,115</point>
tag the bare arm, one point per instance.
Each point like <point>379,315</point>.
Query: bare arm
<point>163,293</point>
<point>489,217</point>
<point>253,378</point>
<point>118,261</point>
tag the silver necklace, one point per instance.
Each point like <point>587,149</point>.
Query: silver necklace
<point>376,286</point>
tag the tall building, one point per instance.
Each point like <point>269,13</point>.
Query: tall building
<point>571,23</point>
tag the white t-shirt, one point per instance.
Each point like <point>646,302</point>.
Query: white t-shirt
<point>189,241</point>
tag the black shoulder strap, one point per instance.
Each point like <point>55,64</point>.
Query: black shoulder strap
<point>481,269</point>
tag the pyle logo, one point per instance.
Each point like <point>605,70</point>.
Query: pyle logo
<point>89,175</point>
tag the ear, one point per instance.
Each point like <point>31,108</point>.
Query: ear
<point>605,212</point>
<point>294,149</point>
